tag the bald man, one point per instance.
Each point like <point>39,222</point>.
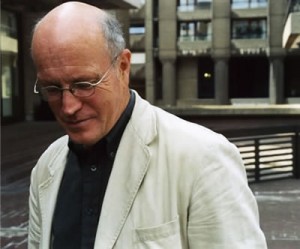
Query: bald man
<point>126,174</point>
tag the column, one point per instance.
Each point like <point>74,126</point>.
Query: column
<point>168,48</point>
<point>276,80</point>
<point>221,81</point>
<point>169,82</point>
<point>221,48</point>
<point>149,50</point>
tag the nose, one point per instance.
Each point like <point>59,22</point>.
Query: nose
<point>70,103</point>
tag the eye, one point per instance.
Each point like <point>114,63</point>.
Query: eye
<point>51,89</point>
<point>82,86</point>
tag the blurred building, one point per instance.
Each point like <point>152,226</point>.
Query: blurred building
<point>223,54</point>
<point>191,57</point>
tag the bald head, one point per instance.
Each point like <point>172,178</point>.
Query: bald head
<point>78,24</point>
<point>70,12</point>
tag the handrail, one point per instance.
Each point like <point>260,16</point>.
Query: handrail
<point>268,152</point>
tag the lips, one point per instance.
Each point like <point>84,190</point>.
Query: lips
<point>76,123</point>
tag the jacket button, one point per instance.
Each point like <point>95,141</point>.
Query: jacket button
<point>89,211</point>
<point>93,168</point>
<point>112,154</point>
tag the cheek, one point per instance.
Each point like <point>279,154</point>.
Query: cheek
<point>55,108</point>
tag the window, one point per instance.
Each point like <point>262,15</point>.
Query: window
<point>203,4</point>
<point>249,77</point>
<point>9,64</point>
<point>191,5</point>
<point>246,4</point>
<point>136,37</point>
<point>292,76</point>
<point>294,6</point>
<point>195,30</point>
<point>137,30</point>
<point>249,29</point>
<point>186,5</point>
<point>206,88</point>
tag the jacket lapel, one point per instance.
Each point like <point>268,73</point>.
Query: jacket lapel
<point>48,191</point>
<point>130,166</point>
<point>48,194</point>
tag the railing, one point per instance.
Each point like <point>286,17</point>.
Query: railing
<point>192,38</point>
<point>269,153</point>
<point>202,5</point>
<point>246,4</point>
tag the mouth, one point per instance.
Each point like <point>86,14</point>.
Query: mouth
<point>76,124</point>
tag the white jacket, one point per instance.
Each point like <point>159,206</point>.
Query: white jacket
<point>174,185</point>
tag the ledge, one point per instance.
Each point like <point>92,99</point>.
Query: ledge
<point>232,110</point>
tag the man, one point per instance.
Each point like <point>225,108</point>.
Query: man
<point>127,175</point>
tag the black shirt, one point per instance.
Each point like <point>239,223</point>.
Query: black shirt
<point>80,197</point>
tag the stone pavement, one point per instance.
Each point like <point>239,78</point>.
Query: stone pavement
<point>279,207</point>
<point>22,143</point>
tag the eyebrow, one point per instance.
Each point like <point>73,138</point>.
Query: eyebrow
<point>90,79</point>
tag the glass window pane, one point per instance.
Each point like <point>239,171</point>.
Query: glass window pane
<point>240,4</point>
<point>258,3</point>
<point>137,30</point>
<point>203,30</point>
<point>186,5</point>
<point>191,31</point>
<point>9,54</point>
<point>203,4</point>
<point>249,29</point>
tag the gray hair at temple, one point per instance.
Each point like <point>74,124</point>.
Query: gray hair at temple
<point>113,34</point>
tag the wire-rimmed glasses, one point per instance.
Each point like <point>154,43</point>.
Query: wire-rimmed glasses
<point>83,89</point>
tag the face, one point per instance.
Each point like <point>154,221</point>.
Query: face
<point>86,120</point>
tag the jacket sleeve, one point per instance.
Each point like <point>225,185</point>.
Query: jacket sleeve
<point>223,212</point>
<point>34,227</point>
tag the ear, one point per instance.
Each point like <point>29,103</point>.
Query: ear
<point>125,60</point>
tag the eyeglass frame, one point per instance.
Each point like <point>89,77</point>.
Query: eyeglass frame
<point>70,88</point>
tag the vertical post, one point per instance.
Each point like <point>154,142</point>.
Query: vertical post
<point>256,152</point>
<point>296,154</point>
<point>169,80</point>
<point>168,48</point>
<point>221,43</point>
<point>221,81</point>
<point>276,81</point>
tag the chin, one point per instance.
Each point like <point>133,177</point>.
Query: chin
<point>84,139</point>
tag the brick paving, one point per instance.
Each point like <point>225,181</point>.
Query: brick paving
<point>22,143</point>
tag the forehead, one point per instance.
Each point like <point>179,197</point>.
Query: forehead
<point>59,45</point>
<point>71,60</point>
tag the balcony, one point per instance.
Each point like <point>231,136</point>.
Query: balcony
<point>194,14</point>
<point>193,46</point>
<point>291,32</point>
<point>137,42</point>
<point>137,71</point>
<point>249,46</point>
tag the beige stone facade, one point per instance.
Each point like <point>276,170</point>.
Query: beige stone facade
<point>221,54</point>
